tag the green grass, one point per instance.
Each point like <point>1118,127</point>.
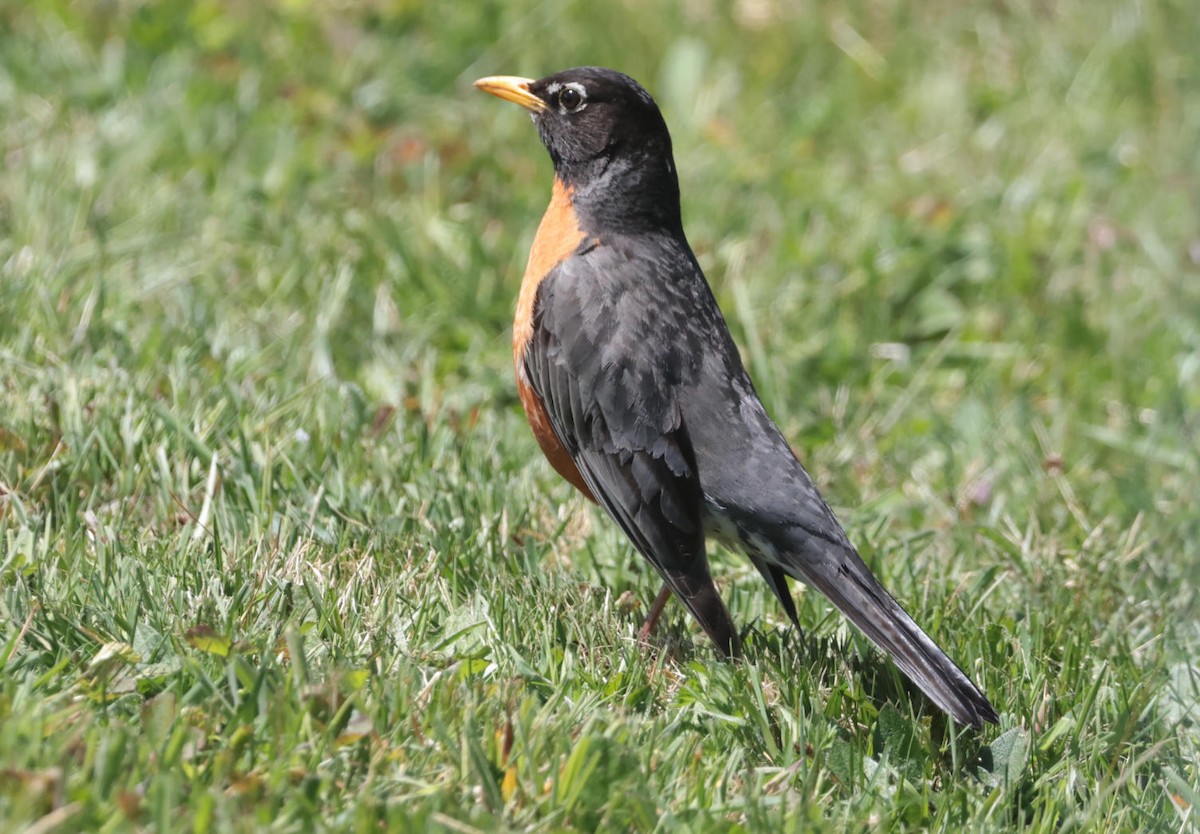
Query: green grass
<point>278,552</point>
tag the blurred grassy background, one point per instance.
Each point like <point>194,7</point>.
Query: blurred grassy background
<point>278,551</point>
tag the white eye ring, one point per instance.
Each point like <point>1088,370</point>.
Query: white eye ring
<point>570,97</point>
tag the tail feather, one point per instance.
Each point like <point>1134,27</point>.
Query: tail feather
<point>842,576</point>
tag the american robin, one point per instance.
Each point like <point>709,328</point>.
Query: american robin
<point>637,395</point>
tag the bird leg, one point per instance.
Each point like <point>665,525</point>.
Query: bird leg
<point>656,609</point>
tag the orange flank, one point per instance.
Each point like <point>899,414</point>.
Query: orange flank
<point>554,451</point>
<point>558,236</point>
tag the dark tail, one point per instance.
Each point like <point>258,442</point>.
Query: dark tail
<point>840,574</point>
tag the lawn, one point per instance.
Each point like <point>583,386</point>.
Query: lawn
<point>278,552</point>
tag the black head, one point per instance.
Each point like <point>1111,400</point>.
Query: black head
<point>606,138</point>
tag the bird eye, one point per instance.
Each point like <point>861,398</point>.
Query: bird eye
<point>570,98</point>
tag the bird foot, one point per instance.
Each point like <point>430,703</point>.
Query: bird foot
<point>656,609</point>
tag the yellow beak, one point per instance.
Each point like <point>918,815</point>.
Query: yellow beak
<point>511,88</point>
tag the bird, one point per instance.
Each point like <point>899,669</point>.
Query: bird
<point>638,397</point>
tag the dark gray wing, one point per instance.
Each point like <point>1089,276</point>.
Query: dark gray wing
<point>607,374</point>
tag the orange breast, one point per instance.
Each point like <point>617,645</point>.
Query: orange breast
<point>558,236</point>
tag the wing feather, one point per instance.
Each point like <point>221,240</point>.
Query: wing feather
<point>603,389</point>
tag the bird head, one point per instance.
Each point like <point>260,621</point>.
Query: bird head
<point>604,133</point>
